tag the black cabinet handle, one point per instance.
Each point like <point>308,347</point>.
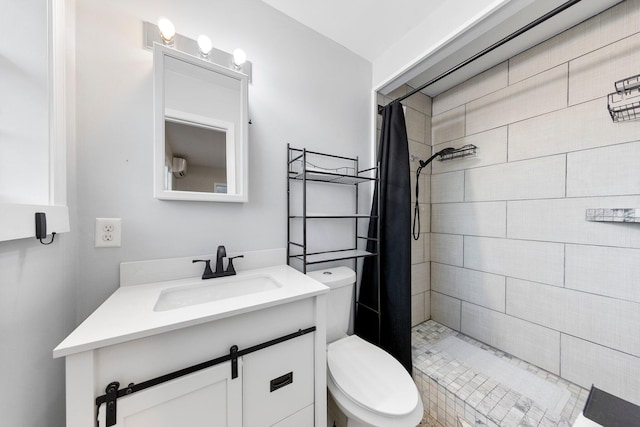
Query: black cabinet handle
<point>282,381</point>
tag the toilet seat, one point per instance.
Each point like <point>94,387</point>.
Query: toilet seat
<point>370,384</point>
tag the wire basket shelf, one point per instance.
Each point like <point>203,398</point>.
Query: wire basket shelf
<point>624,103</point>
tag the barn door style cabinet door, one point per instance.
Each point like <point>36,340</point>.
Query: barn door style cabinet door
<point>273,387</point>
<point>202,399</point>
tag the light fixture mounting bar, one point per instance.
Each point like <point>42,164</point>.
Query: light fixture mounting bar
<point>185,44</point>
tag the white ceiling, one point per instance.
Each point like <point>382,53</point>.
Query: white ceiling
<point>371,27</point>
<point>366,27</point>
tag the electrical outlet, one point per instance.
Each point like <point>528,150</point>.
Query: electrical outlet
<point>108,232</point>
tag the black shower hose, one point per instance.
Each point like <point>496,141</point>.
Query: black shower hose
<point>416,211</point>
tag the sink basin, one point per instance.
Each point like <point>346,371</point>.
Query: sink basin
<point>213,290</point>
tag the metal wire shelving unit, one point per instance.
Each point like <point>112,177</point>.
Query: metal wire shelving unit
<point>301,170</point>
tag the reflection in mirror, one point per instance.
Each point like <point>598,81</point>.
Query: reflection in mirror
<point>201,129</point>
<point>195,157</point>
<point>202,150</point>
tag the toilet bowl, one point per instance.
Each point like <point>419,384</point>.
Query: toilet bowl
<point>368,385</point>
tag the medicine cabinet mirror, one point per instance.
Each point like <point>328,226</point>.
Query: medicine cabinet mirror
<point>201,129</point>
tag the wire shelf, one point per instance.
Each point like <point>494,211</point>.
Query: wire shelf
<point>336,178</point>
<point>466,151</point>
<point>624,103</point>
<point>322,257</point>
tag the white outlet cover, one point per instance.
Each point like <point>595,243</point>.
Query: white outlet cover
<point>108,233</point>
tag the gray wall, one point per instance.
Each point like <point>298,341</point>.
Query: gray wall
<point>37,310</point>
<point>37,282</point>
<point>514,263</point>
<point>306,90</point>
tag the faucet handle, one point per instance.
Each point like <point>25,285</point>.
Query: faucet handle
<point>207,267</point>
<point>230,268</point>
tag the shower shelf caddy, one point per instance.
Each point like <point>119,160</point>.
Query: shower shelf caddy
<point>624,103</point>
<point>613,215</point>
<point>301,169</point>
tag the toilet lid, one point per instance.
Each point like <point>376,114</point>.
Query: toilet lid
<point>371,377</point>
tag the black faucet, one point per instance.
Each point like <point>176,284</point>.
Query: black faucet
<point>220,271</point>
<point>220,254</point>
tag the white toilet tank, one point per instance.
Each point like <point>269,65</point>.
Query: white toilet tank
<point>341,280</point>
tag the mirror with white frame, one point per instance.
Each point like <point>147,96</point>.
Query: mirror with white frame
<point>200,113</point>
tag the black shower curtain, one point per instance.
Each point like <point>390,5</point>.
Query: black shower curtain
<point>394,196</point>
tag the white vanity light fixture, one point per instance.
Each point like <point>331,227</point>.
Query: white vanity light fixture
<point>167,31</point>
<point>204,45</point>
<point>239,58</point>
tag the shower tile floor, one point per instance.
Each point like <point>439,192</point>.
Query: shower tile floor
<point>451,389</point>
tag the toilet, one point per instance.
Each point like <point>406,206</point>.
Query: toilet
<point>368,385</point>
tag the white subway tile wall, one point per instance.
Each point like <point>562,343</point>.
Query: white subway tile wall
<point>476,87</point>
<point>541,178</point>
<point>484,289</point>
<point>448,125</point>
<point>514,263</point>
<point>447,249</point>
<point>446,310</point>
<point>447,187</point>
<point>602,270</point>
<point>536,95</point>
<point>453,218</point>
<point>526,340</point>
<point>604,171</point>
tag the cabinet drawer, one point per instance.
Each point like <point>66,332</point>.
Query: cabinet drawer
<point>278,381</point>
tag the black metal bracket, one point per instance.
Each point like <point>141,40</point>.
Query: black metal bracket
<point>233,353</point>
<point>111,401</point>
<point>113,391</point>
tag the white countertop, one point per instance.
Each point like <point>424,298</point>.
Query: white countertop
<point>128,313</point>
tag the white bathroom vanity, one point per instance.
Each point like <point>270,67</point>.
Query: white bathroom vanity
<point>245,350</point>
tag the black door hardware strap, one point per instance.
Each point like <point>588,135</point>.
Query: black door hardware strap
<point>113,391</point>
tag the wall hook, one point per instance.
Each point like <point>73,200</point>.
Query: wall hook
<point>41,228</point>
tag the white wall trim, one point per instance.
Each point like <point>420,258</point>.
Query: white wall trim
<point>17,221</point>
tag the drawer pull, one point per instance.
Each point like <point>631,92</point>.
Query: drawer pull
<point>282,381</point>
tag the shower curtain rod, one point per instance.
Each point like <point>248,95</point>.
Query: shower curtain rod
<point>483,52</point>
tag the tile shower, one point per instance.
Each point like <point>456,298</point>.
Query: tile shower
<point>508,256</point>
<point>465,379</point>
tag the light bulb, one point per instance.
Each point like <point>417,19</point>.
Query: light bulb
<point>239,58</point>
<point>204,45</point>
<point>167,30</point>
